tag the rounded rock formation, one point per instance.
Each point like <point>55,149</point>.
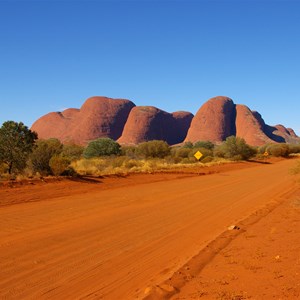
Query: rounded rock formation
<point>214,121</point>
<point>250,126</point>
<point>146,123</point>
<point>98,117</point>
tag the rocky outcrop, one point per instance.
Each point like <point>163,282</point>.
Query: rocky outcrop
<point>280,134</point>
<point>214,121</point>
<point>146,123</point>
<point>182,123</point>
<point>121,120</point>
<point>98,117</point>
<point>250,126</point>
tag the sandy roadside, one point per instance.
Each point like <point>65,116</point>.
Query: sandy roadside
<point>262,261</point>
<point>116,238</point>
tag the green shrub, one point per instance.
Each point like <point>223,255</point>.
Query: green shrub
<point>58,164</point>
<point>188,160</point>
<point>129,151</point>
<point>72,151</point>
<point>102,147</point>
<point>278,150</point>
<point>234,148</point>
<point>42,153</point>
<point>154,148</point>
<point>207,159</point>
<point>294,148</point>
<point>188,145</point>
<point>204,144</point>
<point>181,152</point>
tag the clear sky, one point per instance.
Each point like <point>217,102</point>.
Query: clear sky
<point>174,55</point>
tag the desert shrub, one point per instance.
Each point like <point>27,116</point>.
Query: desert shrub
<point>16,144</point>
<point>129,151</point>
<point>72,151</point>
<point>181,152</point>
<point>58,164</point>
<point>70,171</point>
<point>154,148</point>
<point>117,162</point>
<point>294,148</point>
<point>102,147</point>
<point>188,160</point>
<point>204,144</point>
<point>188,145</point>
<point>207,159</point>
<point>42,153</point>
<point>278,150</point>
<point>91,166</point>
<point>234,148</point>
<point>131,163</point>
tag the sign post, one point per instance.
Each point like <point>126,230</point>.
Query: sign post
<point>198,155</point>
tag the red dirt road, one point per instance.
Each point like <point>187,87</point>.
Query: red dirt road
<point>113,243</point>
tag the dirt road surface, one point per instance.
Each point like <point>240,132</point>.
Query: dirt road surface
<point>120,242</point>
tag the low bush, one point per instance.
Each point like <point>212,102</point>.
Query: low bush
<point>58,164</point>
<point>72,151</point>
<point>234,148</point>
<point>129,151</point>
<point>102,147</point>
<point>278,150</point>
<point>204,144</point>
<point>159,149</point>
<point>42,153</point>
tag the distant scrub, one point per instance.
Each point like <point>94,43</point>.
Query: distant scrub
<point>104,156</point>
<point>153,149</point>
<point>102,147</point>
<point>58,164</point>
<point>235,148</point>
<point>42,154</point>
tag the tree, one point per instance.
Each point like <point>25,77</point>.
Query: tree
<point>43,152</point>
<point>235,148</point>
<point>16,143</point>
<point>102,147</point>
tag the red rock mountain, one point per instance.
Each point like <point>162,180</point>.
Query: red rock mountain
<point>214,121</point>
<point>121,120</point>
<point>219,118</point>
<point>147,123</point>
<point>98,117</point>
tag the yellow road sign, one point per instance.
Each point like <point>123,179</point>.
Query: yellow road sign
<point>198,155</point>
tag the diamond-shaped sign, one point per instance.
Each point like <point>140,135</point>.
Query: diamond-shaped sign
<point>266,153</point>
<point>198,155</point>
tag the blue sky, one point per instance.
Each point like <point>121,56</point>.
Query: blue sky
<point>174,55</point>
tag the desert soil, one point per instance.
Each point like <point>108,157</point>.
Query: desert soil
<point>154,236</point>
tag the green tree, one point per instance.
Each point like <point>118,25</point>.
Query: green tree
<point>16,144</point>
<point>235,148</point>
<point>102,147</point>
<point>43,152</point>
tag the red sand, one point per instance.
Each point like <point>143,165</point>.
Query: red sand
<point>154,236</point>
